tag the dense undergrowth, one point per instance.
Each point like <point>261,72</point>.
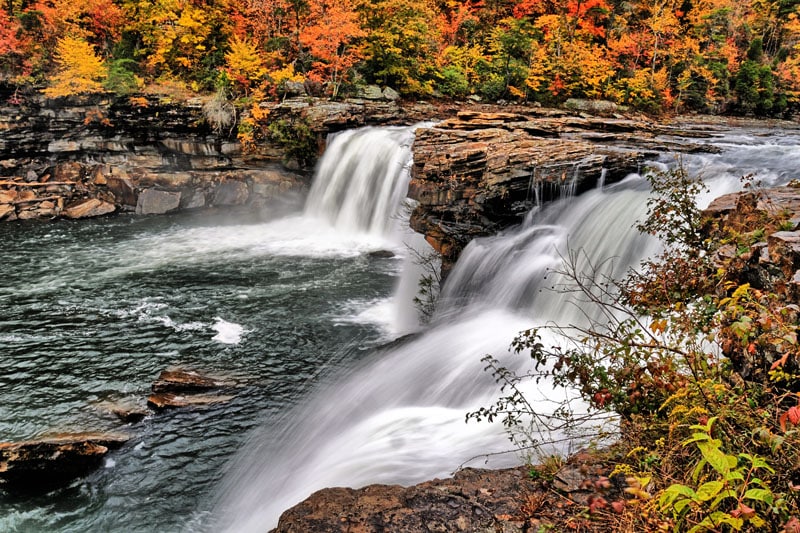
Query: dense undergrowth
<point>696,355</point>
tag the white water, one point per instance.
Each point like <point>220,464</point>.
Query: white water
<point>400,418</point>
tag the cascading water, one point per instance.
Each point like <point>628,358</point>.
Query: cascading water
<point>362,194</point>
<point>400,419</point>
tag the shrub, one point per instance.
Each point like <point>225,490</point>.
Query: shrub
<point>699,366</point>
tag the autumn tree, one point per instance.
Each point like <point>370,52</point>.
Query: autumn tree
<point>98,22</point>
<point>183,39</point>
<point>244,64</point>
<point>400,45</point>
<point>12,47</point>
<point>80,70</point>
<point>329,37</point>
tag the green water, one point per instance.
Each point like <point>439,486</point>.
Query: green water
<point>91,312</point>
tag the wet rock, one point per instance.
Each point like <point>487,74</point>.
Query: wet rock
<point>473,500</point>
<point>381,254</point>
<point>88,208</point>
<point>6,210</point>
<point>167,400</point>
<point>130,414</point>
<point>123,190</point>
<point>157,202</point>
<point>44,464</point>
<point>481,172</point>
<point>181,381</point>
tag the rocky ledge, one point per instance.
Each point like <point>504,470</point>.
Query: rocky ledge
<point>480,172</point>
<point>43,464</point>
<point>511,500</point>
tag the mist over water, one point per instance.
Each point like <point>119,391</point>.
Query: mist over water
<point>297,308</point>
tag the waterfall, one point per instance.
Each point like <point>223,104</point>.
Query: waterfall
<point>400,418</point>
<point>363,194</point>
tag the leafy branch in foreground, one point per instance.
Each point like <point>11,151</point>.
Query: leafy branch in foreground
<point>695,354</point>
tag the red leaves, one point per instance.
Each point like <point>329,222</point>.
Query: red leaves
<point>792,415</point>
<point>744,512</point>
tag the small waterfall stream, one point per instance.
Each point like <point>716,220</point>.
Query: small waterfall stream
<point>401,417</point>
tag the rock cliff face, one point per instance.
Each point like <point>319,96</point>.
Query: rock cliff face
<point>485,168</point>
<point>93,156</point>
<point>480,172</point>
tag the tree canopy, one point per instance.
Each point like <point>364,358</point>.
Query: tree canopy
<point>655,55</point>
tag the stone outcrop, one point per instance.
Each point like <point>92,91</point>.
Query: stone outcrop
<point>473,500</point>
<point>773,262</point>
<point>47,463</point>
<point>96,155</point>
<point>761,231</point>
<point>481,172</point>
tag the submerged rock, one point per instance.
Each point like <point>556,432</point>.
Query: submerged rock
<point>381,254</point>
<point>48,463</point>
<point>179,387</point>
<point>167,400</point>
<point>181,380</point>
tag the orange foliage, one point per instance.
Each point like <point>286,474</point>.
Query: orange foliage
<point>332,28</point>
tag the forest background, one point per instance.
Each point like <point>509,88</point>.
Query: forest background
<point>713,56</point>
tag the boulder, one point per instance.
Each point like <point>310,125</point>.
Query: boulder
<point>157,202</point>
<point>45,464</point>
<point>390,94</point>
<point>91,207</point>
<point>193,199</point>
<point>293,88</point>
<point>370,92</point>
<point>123,190</point>
<point>381,254</point>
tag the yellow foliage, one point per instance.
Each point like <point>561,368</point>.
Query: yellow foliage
<point>80,70</point>
<point>244,62</point>
<point>283,75</point>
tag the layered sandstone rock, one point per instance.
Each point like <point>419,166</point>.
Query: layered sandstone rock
<point>480,172</point>
<point>96,155</point>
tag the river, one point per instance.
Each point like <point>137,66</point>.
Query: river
<point>292,303</point>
